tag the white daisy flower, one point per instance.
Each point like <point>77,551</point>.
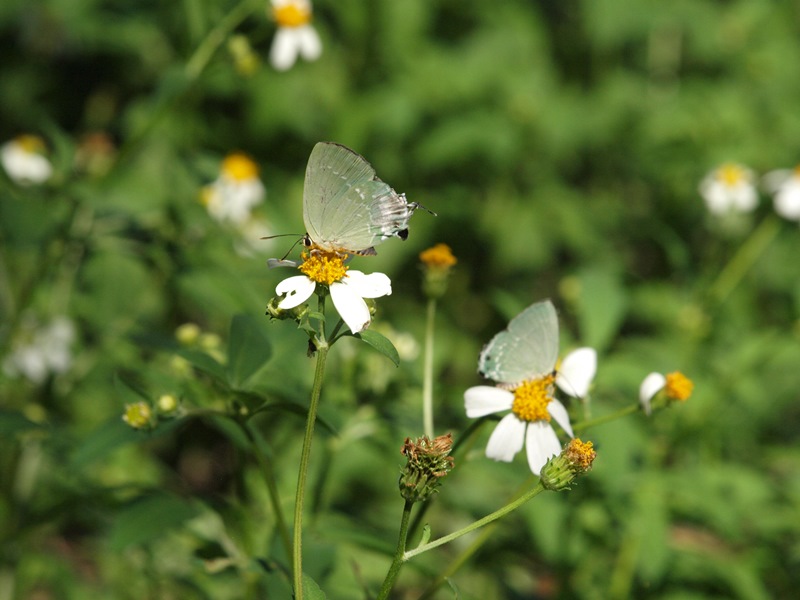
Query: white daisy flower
<point>532,402</point>
<point>785,185</point>
<point>730,188</point>
<point>41,351</point>
<point>295,36</point>
<point>24,161</point>
<point>676,385</point>
<point>348,288</point>
<point>236,191</point>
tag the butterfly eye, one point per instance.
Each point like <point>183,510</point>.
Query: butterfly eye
<point>307,241</point>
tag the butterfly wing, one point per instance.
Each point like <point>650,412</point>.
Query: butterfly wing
<point>527,349</point>
<point>345,206</point>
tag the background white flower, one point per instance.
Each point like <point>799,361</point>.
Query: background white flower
<point>41,351</point>
<point>729,188</point>
<point>236,191</point>
<point>23,159</point>
<point>295,36</point>
<point>784,184</point>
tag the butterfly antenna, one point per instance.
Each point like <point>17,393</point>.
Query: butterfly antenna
<point>415,205</point>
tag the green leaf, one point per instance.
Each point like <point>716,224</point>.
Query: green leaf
<point>601,306</point>
<point>147,518</point>
<point>381,343</point>
<point>311,590</point>
<point>249,348</point>
<point>12,422</point>
<point>203,362</point>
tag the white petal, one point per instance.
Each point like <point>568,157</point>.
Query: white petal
<point>373,285</point>
<point>483,400</point>
<point>577,372</point>
<point>309,43</point>
<point>559,413</point>
<point>541,442</point>
<point>787,200</point>
<point>298,289</point>
<point>507,439</point>
<point>283,53</point>
<point>273,263</point>
<point>651,385</point>
<point>352,308</point>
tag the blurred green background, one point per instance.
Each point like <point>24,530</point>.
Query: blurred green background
<point>560,143</point>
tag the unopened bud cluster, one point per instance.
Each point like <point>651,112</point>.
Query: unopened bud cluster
<point>428,461</point>
<point>575,459</point>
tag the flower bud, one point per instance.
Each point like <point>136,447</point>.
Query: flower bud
<point>167,404</point>
<point>560,471</point>
<point>138,415</point>
<point>437,262</point>
<point>428,462</point>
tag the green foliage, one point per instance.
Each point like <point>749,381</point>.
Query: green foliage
<point>560,143</point>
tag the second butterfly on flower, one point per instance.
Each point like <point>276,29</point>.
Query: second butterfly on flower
<point>522,360</point>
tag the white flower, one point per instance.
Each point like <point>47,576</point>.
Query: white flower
<point>24,162</point>
<point>676,385</point>
<point>295,36</point>
<point>235,192</point>
<point>577,371</point>
<point>40,351</point>
<point>532,406</point>
<point>785,185</point>
<point>348,288</point>
<point>729,189</point>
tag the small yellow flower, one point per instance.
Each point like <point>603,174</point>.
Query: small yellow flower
<point>138,415</point>
<point>295,36</point>
<point>675,386</point>
<point>678,386</point>
<point>438,257</point>
<point>437,263</point>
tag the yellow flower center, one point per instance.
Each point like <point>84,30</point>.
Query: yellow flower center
<point>580,454</point>
<point>292,14</point>
<point>678,386</point>
<point>532,397</point>
<point>239,167</point>
<point>32,144</point>
<point>440,256</point>
<point>323,267</point>
<point>731,174</point>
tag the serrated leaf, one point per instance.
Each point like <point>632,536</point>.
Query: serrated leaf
<point>249,348</point>
<point>381,343</point>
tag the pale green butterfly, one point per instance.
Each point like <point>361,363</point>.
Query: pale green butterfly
<point>526,349</point>
<point>346,208</point>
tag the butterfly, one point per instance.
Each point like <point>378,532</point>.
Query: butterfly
<point>346,207</point>
<point>526,349</point>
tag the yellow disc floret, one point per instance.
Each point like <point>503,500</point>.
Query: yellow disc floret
<point>438,257</point>
<point>239,167</point>
<point>731,174</point>
<point>532,397</point>
<point>323,267</point>
<point>580,454</point>
<point>678,386</point>
<point>292,14</point>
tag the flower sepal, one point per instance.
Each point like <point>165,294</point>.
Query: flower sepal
<point>560,471</point>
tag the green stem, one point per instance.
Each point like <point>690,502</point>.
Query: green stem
<point>462,558</point>
<point>744,259</point>
<point>510,507</point>
<point>580,426</point>
<point>427,380</point>
<point>269,476</point>
<point>398,560</point>
<point>215,37</point>
<point>305,454</point>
